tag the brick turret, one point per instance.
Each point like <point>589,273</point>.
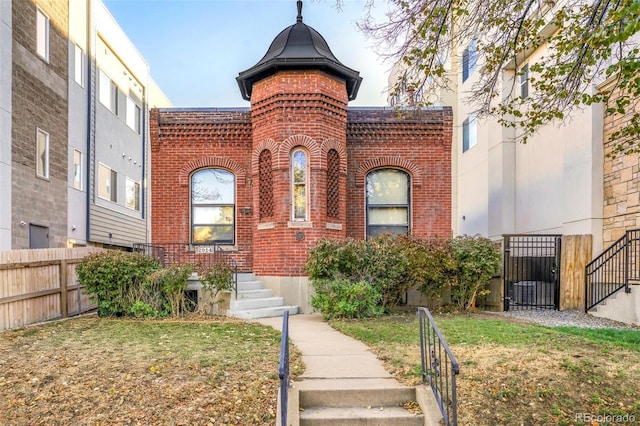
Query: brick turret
<point>299,93</point>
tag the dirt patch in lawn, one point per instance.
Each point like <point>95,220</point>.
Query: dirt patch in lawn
<point>93,371</point>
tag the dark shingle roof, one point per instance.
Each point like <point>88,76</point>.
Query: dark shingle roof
<point>298,47</point>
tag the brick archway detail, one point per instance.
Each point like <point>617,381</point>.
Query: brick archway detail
<point>381,162</point>
<point>224,163</point>
<point>269,145</point>
<point>329,144</point>
<point>299,140</point>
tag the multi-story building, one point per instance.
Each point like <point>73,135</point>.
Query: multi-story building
<point>559,183</point>
<point>75,97</point>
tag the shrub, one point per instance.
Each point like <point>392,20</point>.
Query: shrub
<point>478,259</point>
<point>381,262</point>
<point>336,259</point>
<point>216,278</point>
<point>139,309</point>
<point>345,299</point>
<point>165,289</point>
<point>393,265</point>
<point>386,267</point>
<point>110,276</point>
<point>431,267</point>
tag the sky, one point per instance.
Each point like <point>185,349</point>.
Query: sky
<point>196,48</point>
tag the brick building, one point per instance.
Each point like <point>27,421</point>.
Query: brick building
<point>267,182</point>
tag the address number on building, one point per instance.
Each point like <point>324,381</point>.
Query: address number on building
<point>204,249</point>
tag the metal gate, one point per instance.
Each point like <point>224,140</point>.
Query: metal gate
<point>531,272</point>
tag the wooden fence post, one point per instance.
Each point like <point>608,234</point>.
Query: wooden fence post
<point>64,309</point>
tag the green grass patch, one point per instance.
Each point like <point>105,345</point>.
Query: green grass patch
<point>469,329</point>
<point>457,329</point>
<point>627,339</point>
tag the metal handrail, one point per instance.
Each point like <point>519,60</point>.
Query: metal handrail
<point>439,367</point>
<point>184,253</point>
<point>283,369</point>
<point>613,269</point>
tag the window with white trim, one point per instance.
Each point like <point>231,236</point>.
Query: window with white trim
<point>42,154</point>
<point>132,194</point>
<point>108,92</point>
<point>213,193</point>
<point>77,169</point>
<point>133,115</point>
<point>107,183</point>
<point>299,177</point>
<point>469,132</point>
<point>42,34</point>
<point>78,68</point>
<point>388,202</point>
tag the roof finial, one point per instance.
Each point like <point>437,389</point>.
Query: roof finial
<point>299,18</point>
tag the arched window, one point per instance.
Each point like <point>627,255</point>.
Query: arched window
<point>388,202</point>
<point>265,184</point>
<point>213,194</point>
<point>299,182</point>
<point>333,184</point>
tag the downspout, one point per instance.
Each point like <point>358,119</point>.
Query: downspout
<point>89,121</point>
<point>144,163</point>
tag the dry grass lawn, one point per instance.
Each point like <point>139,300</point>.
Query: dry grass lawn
<point>94,371</point>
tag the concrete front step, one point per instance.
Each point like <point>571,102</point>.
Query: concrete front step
<point>250,285</point>
<point>356,402</point>
<point>255,294</point>
<point>265,302</point>
<point>254,301</point>
<point>392,396</point>
<point>370,416</point>
<point>275,311</point>
<point>246,276</point>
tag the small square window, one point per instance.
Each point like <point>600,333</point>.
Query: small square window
<point>42,154</point>
<point>42,35</point>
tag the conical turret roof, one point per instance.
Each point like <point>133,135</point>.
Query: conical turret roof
<point>298,47</point>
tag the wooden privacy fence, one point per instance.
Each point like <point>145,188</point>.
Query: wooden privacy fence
<point>41,285</point>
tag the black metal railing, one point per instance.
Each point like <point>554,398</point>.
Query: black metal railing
<point>204,256</point>
<point>283,369</point>
<point>613,269</point>
<point>439,367</point>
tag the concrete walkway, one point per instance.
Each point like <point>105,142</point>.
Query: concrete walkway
<point>329,354</point>
<point>338,363</point>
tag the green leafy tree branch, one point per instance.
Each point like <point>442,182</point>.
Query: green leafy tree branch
<point>588,43</point>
